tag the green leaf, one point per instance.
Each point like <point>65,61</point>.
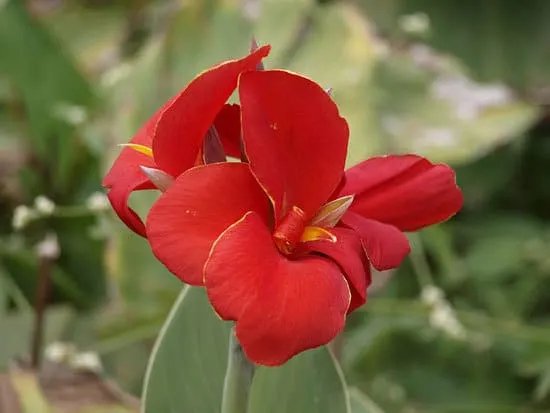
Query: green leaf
<point>49,85</point>
<point>22,267</point>
<point>501,40</point>
<point>82,257</point>
<point>311,382</point>
<point>187,367</point>
<point>393,101</point>
<point>440,112</point>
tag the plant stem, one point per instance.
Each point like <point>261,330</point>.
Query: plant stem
<point>47,252</point>
<point>42,295</point>
<point>238,379</point>
<point>419,262</point>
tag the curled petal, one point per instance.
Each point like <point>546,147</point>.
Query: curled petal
<point>183,123</point>
<point>126,176</point>
<point>118,197</point>
<point>282,307</point>
<point>385,245</point>
<point>294,138</point>
<point>406,191</point>
<point>346,251</point>
<point>201,203</point>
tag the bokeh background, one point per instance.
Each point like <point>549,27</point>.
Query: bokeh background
<point>462,326</point>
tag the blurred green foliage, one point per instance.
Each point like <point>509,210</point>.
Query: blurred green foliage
<point>464,82</point>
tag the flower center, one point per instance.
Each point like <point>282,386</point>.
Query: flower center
<point>289,231</point>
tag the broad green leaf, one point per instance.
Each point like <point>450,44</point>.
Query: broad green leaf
<point>440,112</point>
<point>22,267</point>
<point>500,40</point>
<point>418,101</point>
<point>311,382</point>
<point>220,31</point>
<point>82,257</point>
<point>50,86</point>
<point>90,33</point>
<point>187,366</point>
<point>187,369</point>
<point>361,403</point>
<point>78,275</point>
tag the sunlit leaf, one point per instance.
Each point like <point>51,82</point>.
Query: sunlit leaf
<point>187,369</point>
<point>187,366</point>
<point>310,383</point>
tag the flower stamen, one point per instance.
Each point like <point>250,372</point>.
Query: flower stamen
<point>289,231</point>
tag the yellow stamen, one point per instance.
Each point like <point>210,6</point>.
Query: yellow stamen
<point>140,148</point>
<point>312,233</point>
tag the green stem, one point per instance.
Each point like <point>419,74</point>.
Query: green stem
<point>238,379</point>
<point>419,262</point>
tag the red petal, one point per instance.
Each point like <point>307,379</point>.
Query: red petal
<point>184,122</point>
<point>385,245</point>
<point>282,307</point>
<point>125,176</point>
<point>406,191</point>
<point>294,138</point>
<point>201,203</point>
<point>349,254</point>
<point>228,125</point>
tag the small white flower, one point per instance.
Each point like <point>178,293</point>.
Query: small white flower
<point>58,352</point>
<point>115,75</point>
<point>48,247</point>
<point>442,316</point>
<point>22,216</point>
<point>416,23</point>
<point>97,202</point>
<point>438,137</point>
<point>71,114</point>
<point>431,294</point>
<point>444,319</point>
<point>252,9</point>
<point>87,361</point>
<point>44,205</point>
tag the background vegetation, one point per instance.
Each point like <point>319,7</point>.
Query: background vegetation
<point>463,326</point>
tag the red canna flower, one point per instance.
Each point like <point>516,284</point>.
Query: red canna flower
<point>283,243</point>
<point>181,134</point>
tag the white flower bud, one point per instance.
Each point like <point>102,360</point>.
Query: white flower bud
<point>97,202</point>
<point>44,205</point>
<point>87,361</point>
<point>22,216</point>
<point>416,23</point>
<point>431,294</point>
<point>48,248</point>
<point>58,352</point>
